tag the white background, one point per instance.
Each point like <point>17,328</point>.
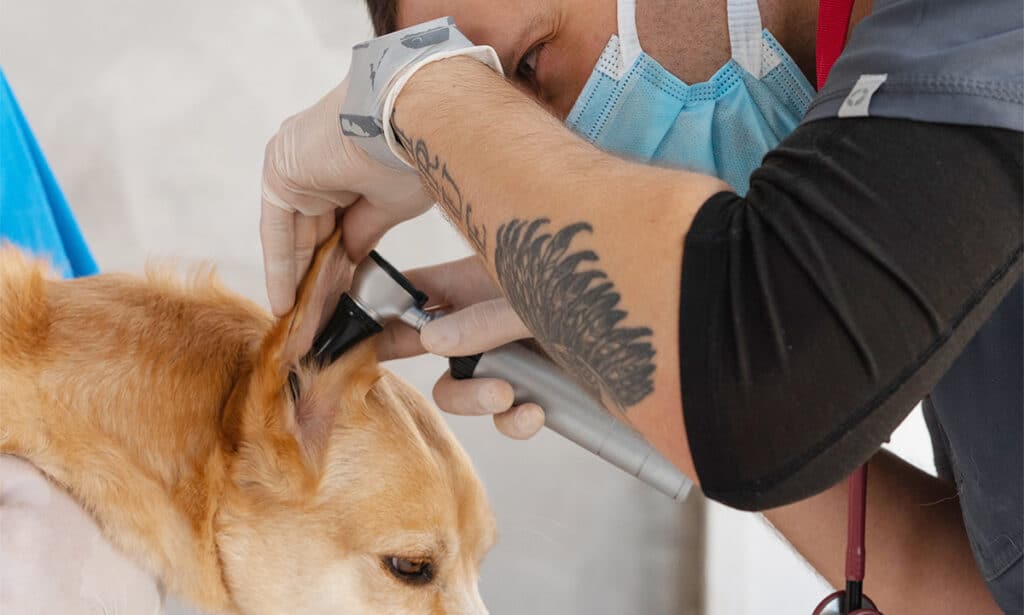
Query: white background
<point>154,116</point>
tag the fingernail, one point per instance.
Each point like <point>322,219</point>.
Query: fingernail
<point>529,420</point>
<point>439,336</point>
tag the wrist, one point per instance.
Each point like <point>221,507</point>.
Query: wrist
<point>481,58</point>
<point>427,90</point>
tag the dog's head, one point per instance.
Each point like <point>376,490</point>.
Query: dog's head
<point>347,494</point>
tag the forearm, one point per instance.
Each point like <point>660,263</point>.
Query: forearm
<point>587,247</point>
<point>918,557</point>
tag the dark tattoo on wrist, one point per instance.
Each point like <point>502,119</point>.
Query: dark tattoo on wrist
<point>574,312</point>
<point>440,183</point>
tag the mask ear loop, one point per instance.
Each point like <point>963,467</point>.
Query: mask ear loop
<point>629,42</point>
<point>745,35</point>
<point>745,27</point>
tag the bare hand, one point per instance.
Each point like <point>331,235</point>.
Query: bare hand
<point>479,319</point>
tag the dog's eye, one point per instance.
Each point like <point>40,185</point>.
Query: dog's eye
<point>293,385</point>
<point>414,571</point>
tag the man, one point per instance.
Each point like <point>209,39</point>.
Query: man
<point>869,248</point>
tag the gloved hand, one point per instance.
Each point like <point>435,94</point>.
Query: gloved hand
<point>478,319</point>
<point>310,171</point>
<point>321,161</point>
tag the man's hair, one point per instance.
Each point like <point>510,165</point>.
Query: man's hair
<point>384,15</point>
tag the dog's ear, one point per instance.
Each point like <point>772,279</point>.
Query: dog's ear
<point>280,421</point>
<point>329,275</point>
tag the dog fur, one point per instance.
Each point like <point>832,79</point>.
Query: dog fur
<point>163,408</point>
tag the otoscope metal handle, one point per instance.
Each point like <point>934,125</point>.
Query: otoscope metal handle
<point>573,413</point>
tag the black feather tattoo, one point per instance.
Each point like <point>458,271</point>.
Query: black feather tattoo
<point>573,310</point>
<point>570,305</point>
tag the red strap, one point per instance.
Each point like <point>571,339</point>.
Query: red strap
<point>833,24</point>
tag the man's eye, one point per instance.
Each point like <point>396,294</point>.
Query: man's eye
<point>412,571</point>
<point>528,64</point>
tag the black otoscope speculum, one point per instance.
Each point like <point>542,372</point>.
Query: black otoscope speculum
<point>379,293</point>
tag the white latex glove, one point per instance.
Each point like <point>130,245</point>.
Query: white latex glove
<point>342,153</point>
<point>479,319</point>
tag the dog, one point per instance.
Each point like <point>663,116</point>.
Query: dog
<point>165,408</point>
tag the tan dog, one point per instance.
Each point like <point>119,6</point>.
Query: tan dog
<point>165,409</point>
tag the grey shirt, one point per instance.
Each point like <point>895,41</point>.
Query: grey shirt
<point>952,61</point>
<point>976,418</point>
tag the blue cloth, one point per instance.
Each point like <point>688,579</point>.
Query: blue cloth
<point>33,212</point>
<point>976,416</point>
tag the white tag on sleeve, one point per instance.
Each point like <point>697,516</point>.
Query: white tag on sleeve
<point>858,100</point>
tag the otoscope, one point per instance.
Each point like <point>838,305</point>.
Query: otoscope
<point>381,294</point>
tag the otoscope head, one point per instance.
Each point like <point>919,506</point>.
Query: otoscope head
<point>379,294</point>
<point>382,291</point>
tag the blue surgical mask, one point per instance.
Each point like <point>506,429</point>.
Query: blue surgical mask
<point>632,106</point>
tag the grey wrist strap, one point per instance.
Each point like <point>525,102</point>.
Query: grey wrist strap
<point>382,66</point>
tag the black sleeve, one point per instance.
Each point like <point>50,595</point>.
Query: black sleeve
<point>819,309</point>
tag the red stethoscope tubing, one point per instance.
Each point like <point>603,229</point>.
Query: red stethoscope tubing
<point>851,600</point>
<point>856,511</point>
<point>833,25</point>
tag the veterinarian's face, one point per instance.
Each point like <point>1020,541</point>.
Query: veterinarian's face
<point>397,522</point>
<point>547,47</point>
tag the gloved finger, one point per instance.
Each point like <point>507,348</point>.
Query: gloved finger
<point>308,203</point>
<point>477,328</point>
<point>473,397</point>
<point>277,235</point>
<point>521,422</point>
<point>325,224</point>
<point>456,283</point>
<point>398,341</point>
<point>364,224</point>
<point>305,242</point>
<point>282,178</point>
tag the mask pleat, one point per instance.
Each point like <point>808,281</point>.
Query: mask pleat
<point>721,127</point>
